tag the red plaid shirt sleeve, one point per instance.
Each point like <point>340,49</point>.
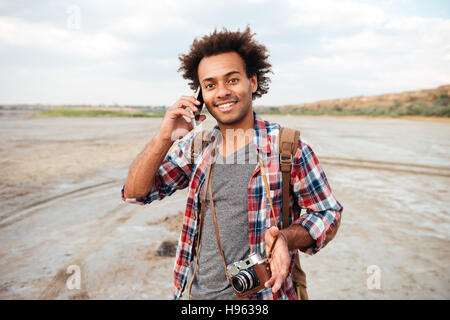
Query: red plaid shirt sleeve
<point>312,191</point>
<point>173,174</point>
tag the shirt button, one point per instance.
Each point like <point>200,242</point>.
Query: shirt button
<point>186,264</point>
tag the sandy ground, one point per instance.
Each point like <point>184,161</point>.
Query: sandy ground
<point>61,210</point>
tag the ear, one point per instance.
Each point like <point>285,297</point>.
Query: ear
<point>254,83</point>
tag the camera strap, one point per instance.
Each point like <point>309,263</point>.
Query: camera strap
<point>202,217</point>
<point>208,187</point>
<point>266,185</point>
<point>213,212</point>
<point>216,227</point>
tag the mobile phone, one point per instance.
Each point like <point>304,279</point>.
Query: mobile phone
<point>199,107</point>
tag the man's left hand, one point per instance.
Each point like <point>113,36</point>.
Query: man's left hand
<point>281,259</point>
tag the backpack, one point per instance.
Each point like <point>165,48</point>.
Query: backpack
<point>288,143</point>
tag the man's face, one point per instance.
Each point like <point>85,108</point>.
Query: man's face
<point>227,91</point>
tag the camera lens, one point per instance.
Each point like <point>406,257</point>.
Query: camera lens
<point>243,281</point>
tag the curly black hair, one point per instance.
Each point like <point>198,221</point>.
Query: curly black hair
<point>254,55</point>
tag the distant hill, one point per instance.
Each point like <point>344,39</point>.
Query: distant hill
<point>427,102</point>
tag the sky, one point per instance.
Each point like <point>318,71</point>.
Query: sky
<point>126,52</point>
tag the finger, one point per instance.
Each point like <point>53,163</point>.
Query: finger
<point>183,112</point>
<point>274,231</point>
<point>277,284</point>
<point>270,234</point>
<point>278,277</point>
<point>187,104</point>
<point>271,239</point>
<point>192,98</point>
<point>270,282</point>
<point>187,107</point>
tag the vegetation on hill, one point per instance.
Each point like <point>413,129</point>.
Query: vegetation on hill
<point>427,103</point>
<point>95,113</point>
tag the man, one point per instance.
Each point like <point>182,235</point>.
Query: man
<point>231,69</point>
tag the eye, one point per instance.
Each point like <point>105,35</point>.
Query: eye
<point>233,80</point>
<point>209,86</point>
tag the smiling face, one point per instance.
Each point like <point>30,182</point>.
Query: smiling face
<point>227,91</point>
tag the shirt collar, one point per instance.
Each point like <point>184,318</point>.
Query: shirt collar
<point>262,139</point>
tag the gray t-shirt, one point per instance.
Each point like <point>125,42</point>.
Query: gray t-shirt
<point>230,180</point>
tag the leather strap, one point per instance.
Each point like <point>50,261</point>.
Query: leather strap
<point>269,255</point>
<point>288,140</point>
<point>216,228</point>
<point>213,211</point>
<point>266,185</point>
<point>202,217</point>
<point>287,150</point>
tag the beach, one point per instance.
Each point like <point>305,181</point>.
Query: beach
<point>62,210</point>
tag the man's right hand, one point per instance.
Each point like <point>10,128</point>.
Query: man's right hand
<point>142,173</point>
<point>174,126</point>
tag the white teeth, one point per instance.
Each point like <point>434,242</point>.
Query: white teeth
<point>224,106</point>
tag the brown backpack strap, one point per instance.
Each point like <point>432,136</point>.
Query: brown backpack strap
<point>287,142</point>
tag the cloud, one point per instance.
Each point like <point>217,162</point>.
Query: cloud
<point>126,52</point>
<point>150,17</point>
<point>15,32</point>
<point>361,48</point>
<point>365,40</point>
<point>335,14</point>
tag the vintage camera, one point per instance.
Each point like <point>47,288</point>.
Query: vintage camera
<point>248,276</point>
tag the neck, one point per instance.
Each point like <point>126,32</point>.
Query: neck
<point>237,135</point>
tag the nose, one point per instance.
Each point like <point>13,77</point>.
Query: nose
<point>223,91</point>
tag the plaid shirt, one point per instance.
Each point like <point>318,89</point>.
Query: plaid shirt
<point>310,191</point>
